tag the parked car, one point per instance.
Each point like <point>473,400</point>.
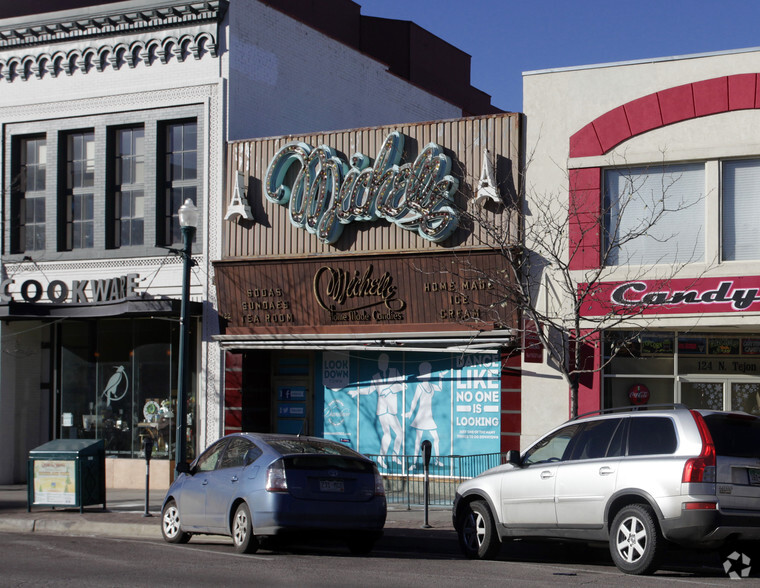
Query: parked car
<point>250,486</point>
<point>636,479</point>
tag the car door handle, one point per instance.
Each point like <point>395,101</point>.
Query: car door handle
<point>606,471</point>
<point>234,479</point>
<point>204,482</point>
<point>546,474</point>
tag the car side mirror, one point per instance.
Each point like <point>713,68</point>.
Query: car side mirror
<point>183,467</point>
<point>513,457</point>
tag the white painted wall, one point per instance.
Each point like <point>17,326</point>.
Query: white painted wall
<point>288,78</point>
<point>559,103</point>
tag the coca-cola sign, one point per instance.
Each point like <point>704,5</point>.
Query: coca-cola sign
<point>638,394</point>
<point>680,296</point>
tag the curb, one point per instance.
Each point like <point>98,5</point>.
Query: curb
<point>16,525</point>
<point>71,527</point>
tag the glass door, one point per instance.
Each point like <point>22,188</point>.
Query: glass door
<point>745,396</point>
<point>706,394</point>
<point>721,394</point>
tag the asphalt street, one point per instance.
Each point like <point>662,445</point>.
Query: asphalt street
<point>124,517</point>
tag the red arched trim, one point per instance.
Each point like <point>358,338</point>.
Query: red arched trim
<point>736,92</point>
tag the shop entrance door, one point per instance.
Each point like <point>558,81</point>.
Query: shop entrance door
<point>292,405</point>
<point>721,394</point>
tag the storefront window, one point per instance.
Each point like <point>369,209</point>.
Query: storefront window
<point>714,371</point>
<point>118,383</point>
<point>745,396</point>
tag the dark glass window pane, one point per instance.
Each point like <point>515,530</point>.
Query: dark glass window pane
<point>735,435</point>
<point>137,231</point>
<point>175,138</point>
<point>594,441</point>
<point>89,208</point>
<point>126,208</point>
<point>39,210</point>
<point>89,238</point>
<point>124,233</point>
<point>190,136</point>
<point>31,152</point>
<point>125,142</point>
<point>39,241</point>
<point>39,178</point>
<point>190,171</point>
<point>651,436</point>
<point>176,166</point>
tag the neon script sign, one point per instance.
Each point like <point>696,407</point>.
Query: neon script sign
<point>329,193</point>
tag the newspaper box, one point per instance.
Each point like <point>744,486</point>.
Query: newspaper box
<point>67,472</point>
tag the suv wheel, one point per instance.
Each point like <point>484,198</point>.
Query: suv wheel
<point>477,533</point>
<point>635,540</point>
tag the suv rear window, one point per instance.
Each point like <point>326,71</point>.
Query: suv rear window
<point>651,436</point>
<point>735,435</point>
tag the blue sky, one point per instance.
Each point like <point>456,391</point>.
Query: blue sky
<point>508,37</point>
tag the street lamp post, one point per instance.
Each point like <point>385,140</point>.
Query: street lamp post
<point>188,220</point>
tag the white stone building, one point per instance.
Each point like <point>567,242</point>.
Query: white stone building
<point>677,138</point>
<point>112,114</point>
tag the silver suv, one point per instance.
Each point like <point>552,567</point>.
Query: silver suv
<point>636,479</point>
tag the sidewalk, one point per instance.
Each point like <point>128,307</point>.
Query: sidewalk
<point>125,509</point>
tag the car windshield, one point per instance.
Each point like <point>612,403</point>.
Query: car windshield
<point>735,435</point>
<point>289,446</point>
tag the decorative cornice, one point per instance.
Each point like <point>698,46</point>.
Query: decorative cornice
<point>69,26</point>
<point>108,31</point>
<point>109,55</point>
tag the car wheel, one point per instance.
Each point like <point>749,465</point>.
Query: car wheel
<point>361,543</point>
<point>477,533</point>
<point>171,527</point>
<point>242,531</point>
<point>635,540</point>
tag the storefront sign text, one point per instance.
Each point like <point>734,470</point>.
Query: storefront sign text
<point>78,292</point>
<point>681,296</point>
<point>329,193</point>
<point>265,306</point>
<point>458,303</point>
<point>349,296</point>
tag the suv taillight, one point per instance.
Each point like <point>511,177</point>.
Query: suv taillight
<point>276,480</point>
<point>701,468</point>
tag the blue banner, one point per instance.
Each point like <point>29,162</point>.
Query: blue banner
<point>388,403</point>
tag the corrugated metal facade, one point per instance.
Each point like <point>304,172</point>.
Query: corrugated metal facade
<point>271,234</point>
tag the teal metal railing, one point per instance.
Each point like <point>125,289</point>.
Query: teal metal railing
<point>404,477</point>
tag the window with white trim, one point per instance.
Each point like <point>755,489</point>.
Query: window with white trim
<point>78,204</point>
<point>28,200</point>
<point>180,174</point>
<point>655,214</point>
<point>740,210</point>
<point>129,189</point>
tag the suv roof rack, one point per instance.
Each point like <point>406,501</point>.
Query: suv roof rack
<point>633,408</point>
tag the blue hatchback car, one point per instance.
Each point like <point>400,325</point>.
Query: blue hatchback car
<point>251,486</point>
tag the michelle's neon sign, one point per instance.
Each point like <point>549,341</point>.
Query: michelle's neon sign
<point>328,193</point>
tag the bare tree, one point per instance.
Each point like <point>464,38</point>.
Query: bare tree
<point>565,310</point>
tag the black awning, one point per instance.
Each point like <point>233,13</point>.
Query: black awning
<point>14,310</point>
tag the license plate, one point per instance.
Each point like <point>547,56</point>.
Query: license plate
<point>754,476</point>
<point>331,485</point>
